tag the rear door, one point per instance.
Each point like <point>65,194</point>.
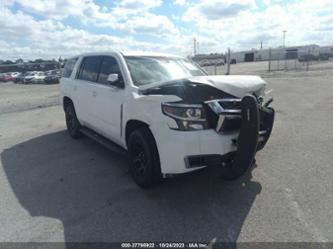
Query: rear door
<point>85,90</point>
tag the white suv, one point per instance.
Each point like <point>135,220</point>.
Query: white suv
<point>166,113</point>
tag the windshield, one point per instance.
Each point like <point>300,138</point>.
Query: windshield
<point>146,70</point>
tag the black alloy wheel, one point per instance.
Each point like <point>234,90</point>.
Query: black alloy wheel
<point>72,123</point>
<point>144,159</point>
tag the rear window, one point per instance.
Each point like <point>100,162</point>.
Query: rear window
<point>89,68</point>
<point>69,66</point>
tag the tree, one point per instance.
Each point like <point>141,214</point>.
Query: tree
<point>38,60</point>
<point>19,61</point>
<point>7,62</point>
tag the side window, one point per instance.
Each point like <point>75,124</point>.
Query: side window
<point>68,68</point>
<point>109,66</point>
<point>89,68</point>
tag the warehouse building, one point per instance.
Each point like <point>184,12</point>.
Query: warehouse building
<point>280,53</point>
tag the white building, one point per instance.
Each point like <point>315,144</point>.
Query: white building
<point>326,50</point>
<point>275,53</point>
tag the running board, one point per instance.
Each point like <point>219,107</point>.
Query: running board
<point>103,141</point>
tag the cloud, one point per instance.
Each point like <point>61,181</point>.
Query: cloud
<point>22,25</point>
<point>244,25</point>
<point>56,9</point>
<point>39,28</point>
<point>217,9</point>
<point>135,4</point>
<point>51,38</point>
<point>180,2</point>
<point>150,23</point>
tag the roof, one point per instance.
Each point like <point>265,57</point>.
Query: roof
<point>145,53</point>
<point>130,53</point>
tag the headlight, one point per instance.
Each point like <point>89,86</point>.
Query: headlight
<point>187,117</point>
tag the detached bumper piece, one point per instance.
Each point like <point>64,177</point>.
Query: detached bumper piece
<point>254,124</point>
<point>247,141</point>
<point>267,115</point>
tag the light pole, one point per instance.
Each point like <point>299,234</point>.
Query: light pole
<point>284,38</point>
<point>194,46</point>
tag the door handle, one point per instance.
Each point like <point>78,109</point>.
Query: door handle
<point>94,94</point>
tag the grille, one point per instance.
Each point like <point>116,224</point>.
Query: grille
<point>230,109</point>
<point>231,125</point>
<point>230,104</point>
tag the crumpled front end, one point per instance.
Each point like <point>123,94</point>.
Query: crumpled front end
<point>254,122</point>
<point>225,115</point>
<point>217,121</point>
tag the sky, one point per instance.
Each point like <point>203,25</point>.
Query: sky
<point>31,29</point>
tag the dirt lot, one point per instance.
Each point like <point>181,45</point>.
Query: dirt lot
<point>54,188</point>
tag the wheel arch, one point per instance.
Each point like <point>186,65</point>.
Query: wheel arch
<point>66,101</point>
<point>132,125</point>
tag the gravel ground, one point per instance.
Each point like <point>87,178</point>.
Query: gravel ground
<point>54,188</point>
<point>18,98</point>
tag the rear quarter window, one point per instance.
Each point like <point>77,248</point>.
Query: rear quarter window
<point>68,68</point>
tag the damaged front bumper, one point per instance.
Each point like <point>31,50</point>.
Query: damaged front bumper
<point>230,115</point>
<point>254,122</point>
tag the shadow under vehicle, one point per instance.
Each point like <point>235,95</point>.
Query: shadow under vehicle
<point>88,189</point>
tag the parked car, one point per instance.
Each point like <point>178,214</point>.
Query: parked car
<point>34,78</point>
<point>52,76</point>
<point>2,77</point>
<point>7,77</point>
<point>220,63</point>
<point>15,75</point>
<point>28,77</point>
<point>166,113</point>
<point>19,78</point>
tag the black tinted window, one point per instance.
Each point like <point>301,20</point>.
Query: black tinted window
<point>109,66</point>
<point>89,68</point>
<point>68,69</point>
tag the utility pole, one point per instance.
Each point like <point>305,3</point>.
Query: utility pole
<point>284,38</point>
<point>228,61</point>
<point>269,59</point>
<point>198,51</point>
<point>194,46</point>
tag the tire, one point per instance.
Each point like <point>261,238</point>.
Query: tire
<point>72,123</point>
<point>145,166</point>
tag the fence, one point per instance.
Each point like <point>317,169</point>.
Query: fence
<point>294,60</point>
<point>275,61</point>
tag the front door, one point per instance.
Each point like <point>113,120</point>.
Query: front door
<point>108,100</point>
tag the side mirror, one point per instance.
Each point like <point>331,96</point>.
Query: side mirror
<point>112,77</point>
<point>114,80</point>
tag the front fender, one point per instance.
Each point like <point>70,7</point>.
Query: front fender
<point>147,108</point>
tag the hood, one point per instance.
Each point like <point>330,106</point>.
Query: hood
<point>236,85</point>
